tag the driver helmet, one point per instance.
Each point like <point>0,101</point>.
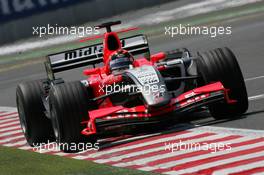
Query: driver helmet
<point>120,60</point>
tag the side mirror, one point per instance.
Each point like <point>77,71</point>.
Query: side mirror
<point>91,71</point>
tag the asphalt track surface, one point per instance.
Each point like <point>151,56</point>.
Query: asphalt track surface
<point>246,41</point>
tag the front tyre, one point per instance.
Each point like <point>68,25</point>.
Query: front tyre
<point>36,126</point>
<point>69,105</point>
<point>221,65</point>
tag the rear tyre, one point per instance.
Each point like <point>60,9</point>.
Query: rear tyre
<point>221,65</point>
<point>69,105</point>
<point>36,126</point>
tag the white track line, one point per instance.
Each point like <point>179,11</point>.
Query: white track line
<point>25,147</point>
<point>177,153</point>
<point>256,97</point>
<point>130,139</point>
<point>7,113</point>
<point>169,138</point>
<point>199,157</point>
<point>10,128</point>
<point>258,173</point>
<point>146,151</point>
<point>217,163</point>
<point>60,154</point>
<point>231,131</point>
<point>19,143</point>
<point>8,124</point>
<point>9,109</point>
<point>80,157</point>
<point>240,168</point>
<point>44,151</point>
<point>191,9</point>
<point>7,120</point>
<point>254,78</point>
<point>9,116</point>
<point>12,138</point>
<point>10,133</point>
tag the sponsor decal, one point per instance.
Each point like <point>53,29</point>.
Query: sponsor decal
<point>146,75</point>
<point>85,52</point>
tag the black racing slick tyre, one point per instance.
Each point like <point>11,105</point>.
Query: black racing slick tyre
<point>36,126</point>
<point>221,65</point>
<point>69,105</point>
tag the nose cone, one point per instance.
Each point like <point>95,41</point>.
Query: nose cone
<point>151,85</point>
<point>156,98</point>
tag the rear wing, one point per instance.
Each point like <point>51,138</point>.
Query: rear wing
<point>91,55</point>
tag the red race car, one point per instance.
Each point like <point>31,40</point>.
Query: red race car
<point>133,87</point>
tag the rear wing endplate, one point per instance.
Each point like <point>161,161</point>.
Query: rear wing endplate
<point>91,55</point>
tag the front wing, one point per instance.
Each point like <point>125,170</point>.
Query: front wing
<point>186,102</point>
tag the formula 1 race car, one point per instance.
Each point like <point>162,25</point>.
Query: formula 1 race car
<point>126,91</point>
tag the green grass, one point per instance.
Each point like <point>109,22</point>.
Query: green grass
<point>20,162</point>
